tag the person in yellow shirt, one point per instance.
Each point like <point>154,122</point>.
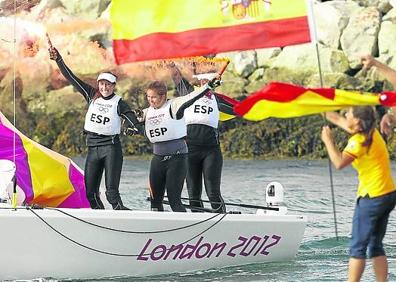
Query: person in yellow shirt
<point>376,195</point>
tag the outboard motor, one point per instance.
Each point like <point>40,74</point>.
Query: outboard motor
<point>274,197</point>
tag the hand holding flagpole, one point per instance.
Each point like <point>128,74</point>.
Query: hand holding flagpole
<point>49,41</point>
<point>54,54</point>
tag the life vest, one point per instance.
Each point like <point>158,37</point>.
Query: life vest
<point>102,116</point>
<point>160,126</point>
<point>204,111</point>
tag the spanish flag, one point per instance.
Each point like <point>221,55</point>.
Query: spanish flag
<point>162,29</point>
<point>281,100</point>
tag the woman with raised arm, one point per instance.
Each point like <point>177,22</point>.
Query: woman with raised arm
<point>102,127</point>
<point>205,159</point>
<point>166,129</point>
<point>376,195</point>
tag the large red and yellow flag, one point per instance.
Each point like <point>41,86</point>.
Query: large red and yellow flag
<point>161,29</point>
<point>283,100</point>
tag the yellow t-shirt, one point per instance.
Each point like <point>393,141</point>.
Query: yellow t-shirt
<point>372,165</point>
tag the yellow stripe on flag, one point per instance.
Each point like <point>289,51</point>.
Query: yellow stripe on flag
<point>132,19</point>
<point>309,103</point>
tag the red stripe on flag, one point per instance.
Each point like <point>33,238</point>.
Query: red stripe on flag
<point>212,40</point>
<point>279,92</point>
<point>229,100</point>
<point>388,99</point>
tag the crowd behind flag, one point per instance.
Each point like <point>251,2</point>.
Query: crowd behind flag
<point>47,178</point>
<point>163,29</point>
<point>282,100</point>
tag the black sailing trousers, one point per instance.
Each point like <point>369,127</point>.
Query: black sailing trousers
<point>108,158</point>
<point>205,162</point>
<point>167,173</point>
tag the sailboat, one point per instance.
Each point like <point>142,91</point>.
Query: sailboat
<point>52,232</point>
<point>66,243</point>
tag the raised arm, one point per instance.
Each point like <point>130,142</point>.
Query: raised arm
<point>183,87</point>
<point>338,119</point>
<point>85,89</point>
<point>368,62</point>
<point>338,158</point>
<point>179,104</point>
<point>389,118</point>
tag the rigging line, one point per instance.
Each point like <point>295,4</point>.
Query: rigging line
<point>132,232</point>
<point>14,196</point>
<point>117,254</point>
<point>314,35</point>
<point>233,204</point>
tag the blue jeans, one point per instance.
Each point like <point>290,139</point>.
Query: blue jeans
<point>369,225</point>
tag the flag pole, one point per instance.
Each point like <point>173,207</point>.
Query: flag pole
<point>314,39</point>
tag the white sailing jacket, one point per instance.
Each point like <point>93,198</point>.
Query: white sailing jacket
<point>102,116</point>
<point>160,126</point>
<point>204,111</point>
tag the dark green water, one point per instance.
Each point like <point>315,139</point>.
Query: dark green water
<point>321,256</point>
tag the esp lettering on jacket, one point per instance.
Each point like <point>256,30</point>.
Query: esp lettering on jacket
<point>99,119</point>
<point>157,131</point>
<point>202,109</point>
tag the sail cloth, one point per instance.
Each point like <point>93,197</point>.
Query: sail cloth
<point>281,100</point>
<point>46,177</point>
<point>163,29</point>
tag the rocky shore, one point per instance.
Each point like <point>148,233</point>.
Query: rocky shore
<point>51,112</point>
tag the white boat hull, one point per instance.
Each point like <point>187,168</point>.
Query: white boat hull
<point>32,248</point>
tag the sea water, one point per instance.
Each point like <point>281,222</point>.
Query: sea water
<point>321,257</point>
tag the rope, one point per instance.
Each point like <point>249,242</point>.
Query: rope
<point>132,232</point>
<point>117,254</point>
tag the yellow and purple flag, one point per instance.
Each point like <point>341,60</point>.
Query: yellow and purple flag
<point>281,100</point>
<point>46,177</point>
<point>161,29</point>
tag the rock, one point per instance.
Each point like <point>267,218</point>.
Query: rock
<point>85,9</point>
<point>95,59</point>
<point>331,18</point>
<point>245,63</point>
<point>303,58</point>
<point>256,75</point>
<point>335,80</point>
<point>387,38</point>
<point>390,16</point>
<point>7,6</point>
<point>233,85</point>
<point>265,56</point>
<point>253,86</point>
<point>35,76</point>
<point>360,35</point>
<point>63,100</point>
<point>382,5</point>
<point>284,75</point>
